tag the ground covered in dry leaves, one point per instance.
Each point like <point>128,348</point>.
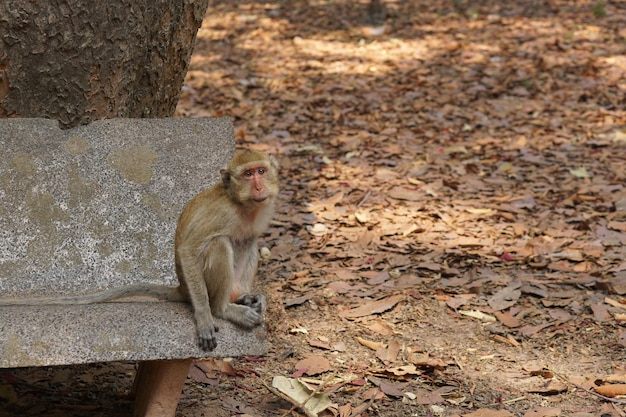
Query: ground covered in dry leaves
<point>451,231</point>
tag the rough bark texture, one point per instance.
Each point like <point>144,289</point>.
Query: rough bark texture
<point>80,60</point>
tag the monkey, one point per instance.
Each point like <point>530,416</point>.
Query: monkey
<point>215,250</point>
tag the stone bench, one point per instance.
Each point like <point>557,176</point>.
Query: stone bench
<point>92,208</point>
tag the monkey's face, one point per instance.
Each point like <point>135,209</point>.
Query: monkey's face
<point>254,182</point>
<point>257,182</point>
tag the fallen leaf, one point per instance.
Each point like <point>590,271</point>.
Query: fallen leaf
<point>426,397</point>
<point>478,315</point>
<point>408,194</point>
<point>389,353</point>
<point>424,360</point>
<point>298,300</point>
<point>318,229</point>
<point>543,412</point>
<point>401,371</point>
<point>373,394</point>
<point>506,297</point>
<point>320,344</point>
<point>507,319</point>
<point>313,365</point>
<point>457,301</point>
<point>580,172</point>
<point>554,387</point>
<point>611,390</point>
<point>216,365</point>
<point>370,343</point>
<point>373,307</point>
<point>544,373</point>
<point>381,328</point>
<point>619,377</point>
<point>339,287</point>
<point>614,303</point>
<point>479,210</point>
<point>362,216</point>
<point>200,376</point>
<point>299,392</point>
<point>485,412</point>
<point>391,389</point>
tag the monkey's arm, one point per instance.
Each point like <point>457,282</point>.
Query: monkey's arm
<point>191,276</point>
<point>160,292</point>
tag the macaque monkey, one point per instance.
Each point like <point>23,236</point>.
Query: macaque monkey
<point>215,248</point>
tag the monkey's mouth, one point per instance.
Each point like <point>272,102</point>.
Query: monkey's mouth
<point>260,199</point>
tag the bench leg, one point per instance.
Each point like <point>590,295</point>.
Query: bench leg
<point>157,387</point>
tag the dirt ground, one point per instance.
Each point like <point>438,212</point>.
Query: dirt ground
<point>451,230</point>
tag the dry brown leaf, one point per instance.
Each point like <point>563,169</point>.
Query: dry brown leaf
<point>345,410</point>
<point>313,365</point>
<point>478,315</point>
<point>506,297</point>
<point>614,303</point>
<point>507,319</point>
<point>381,328</point>
<point>486,412</point>
<point>611,390</point>
<point>339,287</point>
<point>620,377</point>
<point>615,225</point>
<point>543,412</point>
<point>389,353</point>
<point>425,397</point>
<point>212,364</point>
<point>298,300</point>
<point>424,360</point>
<point>404,193</point>
<point>200,376</point>
<point>392,390</point>
<point>457,301</point>
<point>370,343</point>
<point>320,344</point>
<point>554,387</point>
<point>373,307</point>
<point>373,394</point>
<point>400,372</point>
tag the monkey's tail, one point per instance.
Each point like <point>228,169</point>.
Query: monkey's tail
<point>160,292</point>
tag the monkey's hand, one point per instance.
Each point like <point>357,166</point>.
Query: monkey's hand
<point>254,301</point>
<point>206,335</point>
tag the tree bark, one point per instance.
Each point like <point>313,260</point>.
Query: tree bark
<point>81,60</point>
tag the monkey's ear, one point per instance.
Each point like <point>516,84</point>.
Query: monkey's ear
<point>225,177</point>
<point>273,161</point>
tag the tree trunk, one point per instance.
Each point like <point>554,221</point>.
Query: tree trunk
<point>81,60</point>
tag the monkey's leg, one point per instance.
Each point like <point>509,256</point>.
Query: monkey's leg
<point>191,270</point>
<point>219,275</point>
<point>245,271</point>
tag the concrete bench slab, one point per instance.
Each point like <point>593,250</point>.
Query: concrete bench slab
<point>93,208</point>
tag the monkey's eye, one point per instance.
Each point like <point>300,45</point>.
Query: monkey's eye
<point>248,173</point>
<point>261,171</point>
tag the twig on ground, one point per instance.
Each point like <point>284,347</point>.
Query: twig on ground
<point>365,197</point>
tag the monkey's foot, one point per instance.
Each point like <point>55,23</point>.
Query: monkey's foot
<point>242,315</point>
<point>254,301</point>
<point>206,337</point>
